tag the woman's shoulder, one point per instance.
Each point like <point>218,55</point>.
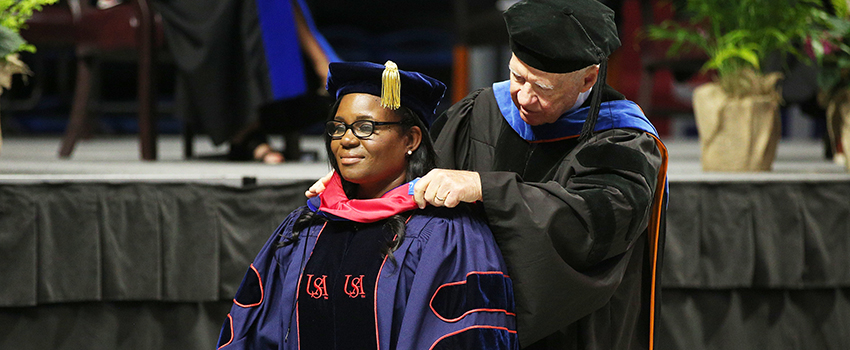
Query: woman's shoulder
<point>291,222</point>
<point>456,233</point>
<point>463,219</point>
<point>295,215</point>
<point>437,214</point>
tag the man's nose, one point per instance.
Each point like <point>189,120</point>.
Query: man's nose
<point>525,96</point>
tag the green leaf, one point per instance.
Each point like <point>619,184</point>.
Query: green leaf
<point>844,48</point>
<point>778,35</point>
<point>728,56</point>
<point>817,48</point>
<point>10,41</point>
<point>828,79</point>
<point>842,62</point>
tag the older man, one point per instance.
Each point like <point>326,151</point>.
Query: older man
<point>571,177</point>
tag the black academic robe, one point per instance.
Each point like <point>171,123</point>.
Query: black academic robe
<point>572,221</point>
<point>239,62</point>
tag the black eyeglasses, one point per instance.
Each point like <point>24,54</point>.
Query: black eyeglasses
<point>361,128</point>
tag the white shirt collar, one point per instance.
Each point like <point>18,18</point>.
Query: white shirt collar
<point>582,96</point>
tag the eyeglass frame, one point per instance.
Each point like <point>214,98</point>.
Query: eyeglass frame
<point>351,127</point>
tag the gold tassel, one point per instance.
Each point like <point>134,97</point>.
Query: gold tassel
<point>390,86</point>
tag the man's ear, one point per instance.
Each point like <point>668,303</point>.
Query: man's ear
<point>414,138</point>
<point>589,78</point>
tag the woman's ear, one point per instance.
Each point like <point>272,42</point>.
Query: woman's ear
<point>414,138</point>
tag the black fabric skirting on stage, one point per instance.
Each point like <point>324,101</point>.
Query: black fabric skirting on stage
<point>757,266</point>
<point>154,266</point>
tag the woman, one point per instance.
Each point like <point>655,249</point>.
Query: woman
<point>361,267</point>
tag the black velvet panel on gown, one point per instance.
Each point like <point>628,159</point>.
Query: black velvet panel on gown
<point>336,295</point>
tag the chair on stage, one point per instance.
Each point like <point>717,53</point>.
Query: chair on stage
<point>127,32</point>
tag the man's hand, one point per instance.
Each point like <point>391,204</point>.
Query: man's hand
<point>319,186</point>
<point>447,188</point>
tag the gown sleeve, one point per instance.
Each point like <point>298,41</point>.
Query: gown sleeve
<point>460,296</point>
<point>258,317</point>
<point>567,241</point>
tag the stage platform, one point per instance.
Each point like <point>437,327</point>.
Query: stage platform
<point>104,251</point>
<point>116,159</point>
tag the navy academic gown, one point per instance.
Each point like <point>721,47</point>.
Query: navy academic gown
<point>446,289</point>
<point>580,223</point>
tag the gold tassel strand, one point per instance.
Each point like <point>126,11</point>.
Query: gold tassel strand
<point>390,86</point>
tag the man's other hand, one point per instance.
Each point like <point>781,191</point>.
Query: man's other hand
<point>447,188</point>
<point>319,186</point>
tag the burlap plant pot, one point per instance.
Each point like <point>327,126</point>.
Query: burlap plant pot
<point>838,122</point>
<point>738,133</point>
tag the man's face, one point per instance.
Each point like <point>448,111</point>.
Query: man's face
<point>543,97</point>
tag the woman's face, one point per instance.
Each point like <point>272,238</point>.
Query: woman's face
<point>377,163</point>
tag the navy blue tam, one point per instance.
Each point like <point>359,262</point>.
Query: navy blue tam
<point>416,91</point>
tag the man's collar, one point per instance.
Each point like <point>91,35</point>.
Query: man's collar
<point>582,96</point>
<point>616,113</point>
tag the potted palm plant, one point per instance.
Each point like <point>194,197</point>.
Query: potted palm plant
<point>737,114</point>
<point>13,16</point>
